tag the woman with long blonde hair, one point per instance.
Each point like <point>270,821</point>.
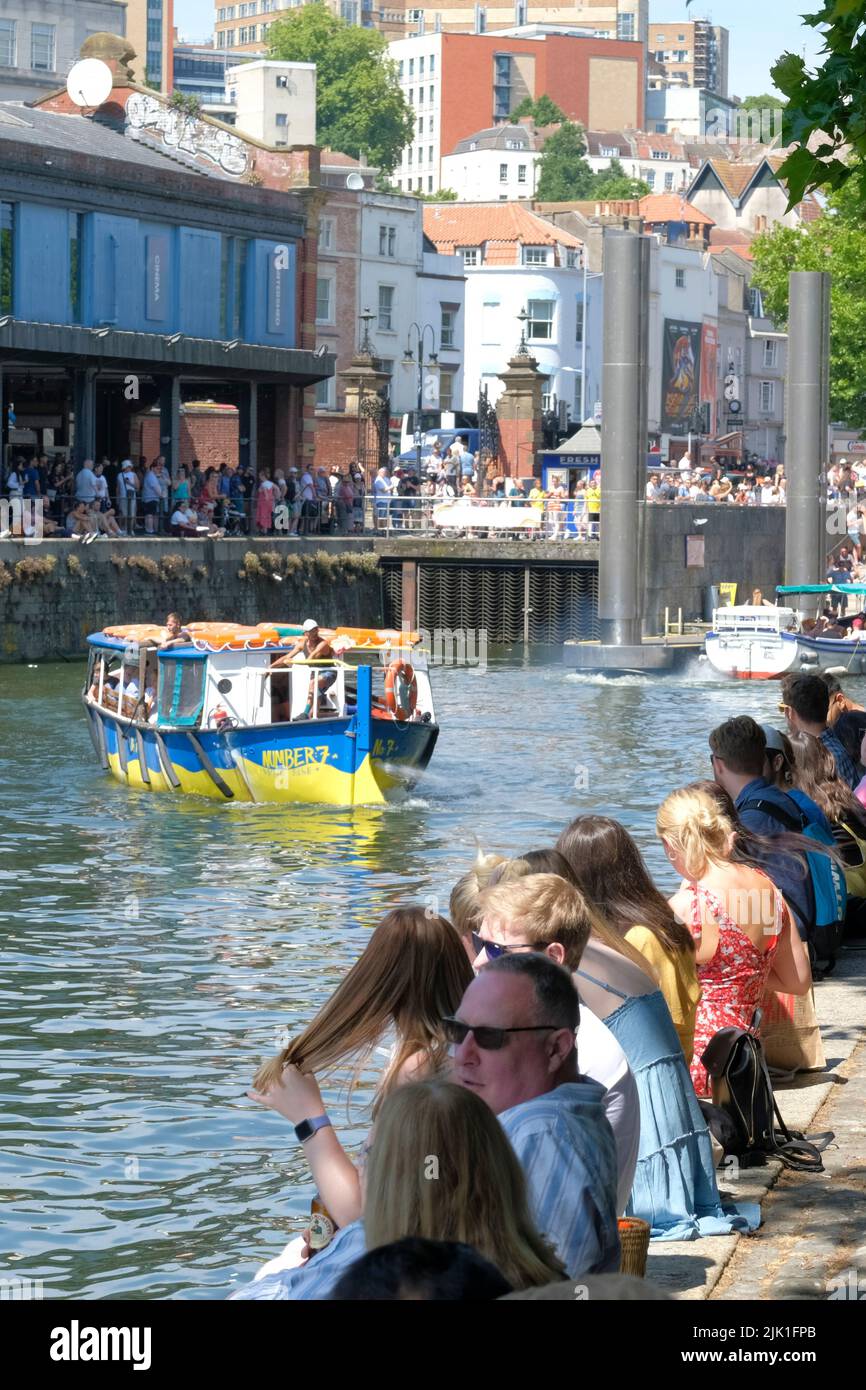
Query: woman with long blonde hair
<point>674,1187</point>
<point>413,972</point>
<point>442,1168</point>
<point>744,937</point>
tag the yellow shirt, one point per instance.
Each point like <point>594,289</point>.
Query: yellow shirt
<point>593,500</point>
<point>678,982</point>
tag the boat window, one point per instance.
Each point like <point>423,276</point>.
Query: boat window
<point>181,690</point>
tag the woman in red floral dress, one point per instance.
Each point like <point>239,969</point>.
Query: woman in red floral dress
<point>744,936</point>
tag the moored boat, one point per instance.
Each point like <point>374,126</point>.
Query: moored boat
<point>214,716</point>
<point>763,643</point>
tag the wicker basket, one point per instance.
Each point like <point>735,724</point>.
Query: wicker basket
<point>634,1237</point>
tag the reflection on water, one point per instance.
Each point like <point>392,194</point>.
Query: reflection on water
<point>153,948</point>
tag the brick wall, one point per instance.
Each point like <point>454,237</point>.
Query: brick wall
<point>210,437</point>
<point>336,440</point>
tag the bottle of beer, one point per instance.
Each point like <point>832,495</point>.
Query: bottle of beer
<point>322,1225</point>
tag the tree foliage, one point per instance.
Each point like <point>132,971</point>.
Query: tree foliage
<point>765,102</point>
<point>543,111</point>
<point>564,176</point>
<point>360,107</point>
<point>830,102</point>
<point>836,243</point>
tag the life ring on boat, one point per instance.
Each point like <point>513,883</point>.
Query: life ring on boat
<point>401,690</point>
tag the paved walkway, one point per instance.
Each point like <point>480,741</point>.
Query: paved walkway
<point>814,1227</point>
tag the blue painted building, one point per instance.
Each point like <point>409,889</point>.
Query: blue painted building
<point>133,273</point>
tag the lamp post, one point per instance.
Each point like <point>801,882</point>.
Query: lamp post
<point>366,319</point>
<point>421,332</point>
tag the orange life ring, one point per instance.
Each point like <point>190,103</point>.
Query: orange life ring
<point>401,690</point>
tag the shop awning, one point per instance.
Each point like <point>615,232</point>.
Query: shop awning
<point>173,354</point>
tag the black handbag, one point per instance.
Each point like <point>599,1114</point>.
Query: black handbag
<point>743,1092</point>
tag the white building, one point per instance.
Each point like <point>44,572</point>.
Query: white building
<point>41,39</point>
<point>661,162</point>
<point>497,165</point>
<point>274,102</point>
<point>690,112</point>
<point>518,263</point>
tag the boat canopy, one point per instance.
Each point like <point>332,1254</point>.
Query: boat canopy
<point>821,588</point>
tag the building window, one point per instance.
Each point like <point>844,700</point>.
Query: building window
<point>429,183</point>
<point>323,393</point>
<point>430,95</point>
<point>535,255</point>
<point>680,279</point>
<point>7,250</point>
<point>386,308</point>
<point>421,67</point>
<point>231,37</point>
<point>649,177</point>
<point>579,321</point>
<point>430,126</point>
<point>324,299</point>
<point>669,181</point>
<point>410,96</point>
<point>400,70</point>
<point>326,233</point>
<point>470,255</point>
<point>420,125</point>
<point>387,241</point>
<point>446,390</point>
<point>283,81</point>
<point>503,173</point>
<point>42,47</point>
<point>756,303</point>
<point>768,397</point>
<point>447,325</point>
<point>8,43</point>
<point>571,259</point>
<point>411,67</point>
<point>410,155</point>
<point>431,66</point>
<point>660,154</point>
<point>521,173</point>
<point>625,27</point>
<point>770,352</point>
<point>282,120</point>
<point>501,86</point>
<point>608,152</point>
<point>430,154</point>
<point>540,313</point>
<point>220,39</point>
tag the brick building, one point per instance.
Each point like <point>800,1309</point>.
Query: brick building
<point>461,83</point>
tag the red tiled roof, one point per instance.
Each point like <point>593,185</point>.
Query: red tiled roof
<point>332,159</point>
<point>502,226</point>
<point>736,240</point>
<point>670,207</point>
<point>810,209</point>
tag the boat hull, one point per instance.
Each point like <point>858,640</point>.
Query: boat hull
<point>770,658</point>
<point>313,762</point>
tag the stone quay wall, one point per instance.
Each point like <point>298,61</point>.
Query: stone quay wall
<point>53,594</point>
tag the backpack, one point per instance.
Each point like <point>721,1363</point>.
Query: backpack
<point>743,1095</point>
<point>824,935</point>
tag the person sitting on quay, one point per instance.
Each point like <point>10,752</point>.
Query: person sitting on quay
<point>806,702</point>
<point>513,1041</point>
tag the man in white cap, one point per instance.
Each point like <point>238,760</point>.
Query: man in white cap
<point>313,647</point>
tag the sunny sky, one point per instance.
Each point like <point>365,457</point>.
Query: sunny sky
<point>760,31</point>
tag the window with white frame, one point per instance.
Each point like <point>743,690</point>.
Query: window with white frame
<point>571,260</point>
<point>430,154</point>
<point>420,125</point>
<point>680,278</point>
<point>327,226</point>
<point>42,47</point>
<point>579,321</point>
<point>770,348</point>
<point>429,183</point>
<point>660,154</point>
<point>411,96</point>
<point>324,299</point>
<point>756,303</point>
<point>503,173</point>
<point>386,308</point>
<point>540,313</point>
<point>470,255</point>
<point>431,66</point>
<point>387,241</point>
<point>231,37</point>
<point>608,152</point>
<point>669,181</point>
<point>536,255</point>
<point>547,398</point>
<point>430,125</point>
<point>411,67</point>
<point>521,173</point>
<point>649,177</point>
<point>421,66</point>
<point>768,397</point>
<point>220,39</point>
<point>324,394</point>
<point>8,43</point>
<point>446,390</point>
<point>430,95</point>
<point>448,325</point>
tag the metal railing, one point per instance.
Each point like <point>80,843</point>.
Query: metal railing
<point>488,518</point>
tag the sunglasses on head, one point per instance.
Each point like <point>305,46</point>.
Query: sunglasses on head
<point>488,1039</point>
<point>494,949</point>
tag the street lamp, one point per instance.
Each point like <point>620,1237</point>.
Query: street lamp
<point>409,361</point>
<point>366,319</point>
<point>523,320</point>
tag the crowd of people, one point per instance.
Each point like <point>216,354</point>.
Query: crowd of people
<point>540,1049</point>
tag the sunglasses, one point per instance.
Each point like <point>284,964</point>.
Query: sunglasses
<point>488,1039</point>
<point>495,950</point>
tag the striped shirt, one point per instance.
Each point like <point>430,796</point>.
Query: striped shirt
<point>844,764</point>
<point>567,1151</point>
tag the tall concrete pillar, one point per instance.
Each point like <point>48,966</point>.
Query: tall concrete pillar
<point>84,397</point>
<point>169,423</point>
<point>806,538</point>
<point>623,437</point>
<point>248,426</point>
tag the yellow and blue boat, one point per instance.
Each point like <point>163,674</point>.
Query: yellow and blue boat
<point>215,717</point>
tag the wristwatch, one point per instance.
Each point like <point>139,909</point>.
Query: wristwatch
<point>307,1128</point>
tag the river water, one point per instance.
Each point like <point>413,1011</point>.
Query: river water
<point>153,949</point>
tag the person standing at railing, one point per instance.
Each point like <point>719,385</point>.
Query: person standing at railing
<point>359,491</point>
<point>593,506</point>
<point>382,496</point>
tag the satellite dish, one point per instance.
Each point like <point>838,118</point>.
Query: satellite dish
<point>355,182</point>
<point>89,82</point>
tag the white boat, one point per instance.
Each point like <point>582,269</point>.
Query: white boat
<point>763,643</point>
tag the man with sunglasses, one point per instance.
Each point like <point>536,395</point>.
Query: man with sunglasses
<point>513,1044</point>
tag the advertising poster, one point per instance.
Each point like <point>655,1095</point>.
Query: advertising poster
<point>681,374</point>
<point>709,372</point>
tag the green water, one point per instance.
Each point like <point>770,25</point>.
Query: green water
<point>153,948</point>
